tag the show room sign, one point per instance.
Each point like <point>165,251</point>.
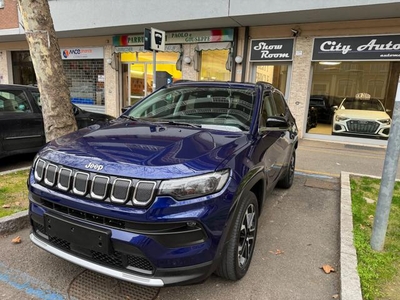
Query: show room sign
<point>271,50</point>
<point>82,53</point>
<point>384,47</point>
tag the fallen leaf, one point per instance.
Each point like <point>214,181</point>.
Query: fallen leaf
<point>335,296</point>
<point>6,206</point>
<point>370,217</point>
<point>17,203</point>
<point>327,269</point>
<point>277,252</point>
<point>362,226</point>
<point>16,240</point>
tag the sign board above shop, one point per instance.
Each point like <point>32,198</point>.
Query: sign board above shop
<point>82,53</point>
<point>271,50</point>
<point>383,47</point>
<point>181,37</point>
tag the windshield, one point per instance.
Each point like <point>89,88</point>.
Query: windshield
<point>207,106</point>
<point>371,104</point>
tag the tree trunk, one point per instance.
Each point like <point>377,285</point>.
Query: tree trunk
<point>57,110</point>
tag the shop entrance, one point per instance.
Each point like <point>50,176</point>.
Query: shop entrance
<point>138,77</point>
<point>276,74</point>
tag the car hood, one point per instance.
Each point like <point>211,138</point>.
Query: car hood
<point>144,150</point>
<point>362,114</point>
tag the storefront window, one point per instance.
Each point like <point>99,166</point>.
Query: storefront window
<point>23,71</point>
<point>352,99</point>
<point>138,73</point>
<point>213,65</point>
<point>274,74</point>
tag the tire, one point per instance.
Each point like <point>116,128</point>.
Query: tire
<point>287,181</point>
<point>237,255</point>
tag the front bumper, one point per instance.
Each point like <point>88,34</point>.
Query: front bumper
<point>152,253</point>
<point>364,128</point>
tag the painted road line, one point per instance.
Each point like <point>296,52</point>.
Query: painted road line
<point>316,174</point>
<point>28,284</point>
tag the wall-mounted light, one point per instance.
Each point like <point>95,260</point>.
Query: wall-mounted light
<point>109,61</point>
<point>187,60</point>
<point>295,32</point>
<point>238,59</point>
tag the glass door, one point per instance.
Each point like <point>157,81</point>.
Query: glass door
<point>276,74</point>
<point>137,73</point>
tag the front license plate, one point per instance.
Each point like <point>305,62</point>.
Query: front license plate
<point>78,234</point>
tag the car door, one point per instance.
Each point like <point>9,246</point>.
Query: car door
<point>20,121</point>
<point>285,140</point>
<point>270,148</point>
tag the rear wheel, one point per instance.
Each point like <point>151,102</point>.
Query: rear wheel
<point>287,181</point>
<point>238,253</point>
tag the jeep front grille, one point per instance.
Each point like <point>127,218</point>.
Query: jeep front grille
<point>113,189</point>
<point>361,126</point>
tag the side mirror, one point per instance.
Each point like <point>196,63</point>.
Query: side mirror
<point>277,122</point>
<point>388,110</point>
<point>334,108</point>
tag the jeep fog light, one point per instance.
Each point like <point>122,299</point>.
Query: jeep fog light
<point>197,186</point>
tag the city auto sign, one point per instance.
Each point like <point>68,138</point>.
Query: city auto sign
<point>386,47</point>
<point>271,50</point>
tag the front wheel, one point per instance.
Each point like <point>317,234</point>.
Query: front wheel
<point>238,253</point>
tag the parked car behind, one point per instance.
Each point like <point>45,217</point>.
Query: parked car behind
<point>324,110</point>
<point>172,190</point>
<point>21,119</point>
<point>361,116</point>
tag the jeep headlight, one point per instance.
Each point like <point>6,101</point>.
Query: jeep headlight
<point>339,118</point>
<point>196,186</point>
<point>385,121</point>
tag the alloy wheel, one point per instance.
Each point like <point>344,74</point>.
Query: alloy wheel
<point>247,236</point>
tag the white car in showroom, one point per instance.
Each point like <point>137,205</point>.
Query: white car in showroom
<point>361,116</point>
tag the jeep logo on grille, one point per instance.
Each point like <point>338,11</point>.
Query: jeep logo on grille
<point>94,166</point>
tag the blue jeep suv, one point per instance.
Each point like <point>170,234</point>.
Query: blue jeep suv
<point>172,190</point>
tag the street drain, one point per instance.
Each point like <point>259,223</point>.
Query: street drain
<point>93,286</point>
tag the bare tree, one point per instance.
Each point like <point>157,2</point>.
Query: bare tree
<point>46,57</point>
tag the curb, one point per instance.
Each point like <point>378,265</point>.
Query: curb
<point>14,170</point>
<point>14,223</point>
<point>350,287</point>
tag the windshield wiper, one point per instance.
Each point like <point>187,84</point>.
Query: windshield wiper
<point>179,123</point>
<point>128,117</point>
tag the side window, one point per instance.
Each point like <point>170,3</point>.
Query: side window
<point>36,97</point>
<point>280,104</point>
<point>14,101</point>
<point>268,108</point>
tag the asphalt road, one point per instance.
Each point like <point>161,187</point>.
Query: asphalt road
<point>330,159</point>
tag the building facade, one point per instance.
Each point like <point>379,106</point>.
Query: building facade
<point>316,53</point>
